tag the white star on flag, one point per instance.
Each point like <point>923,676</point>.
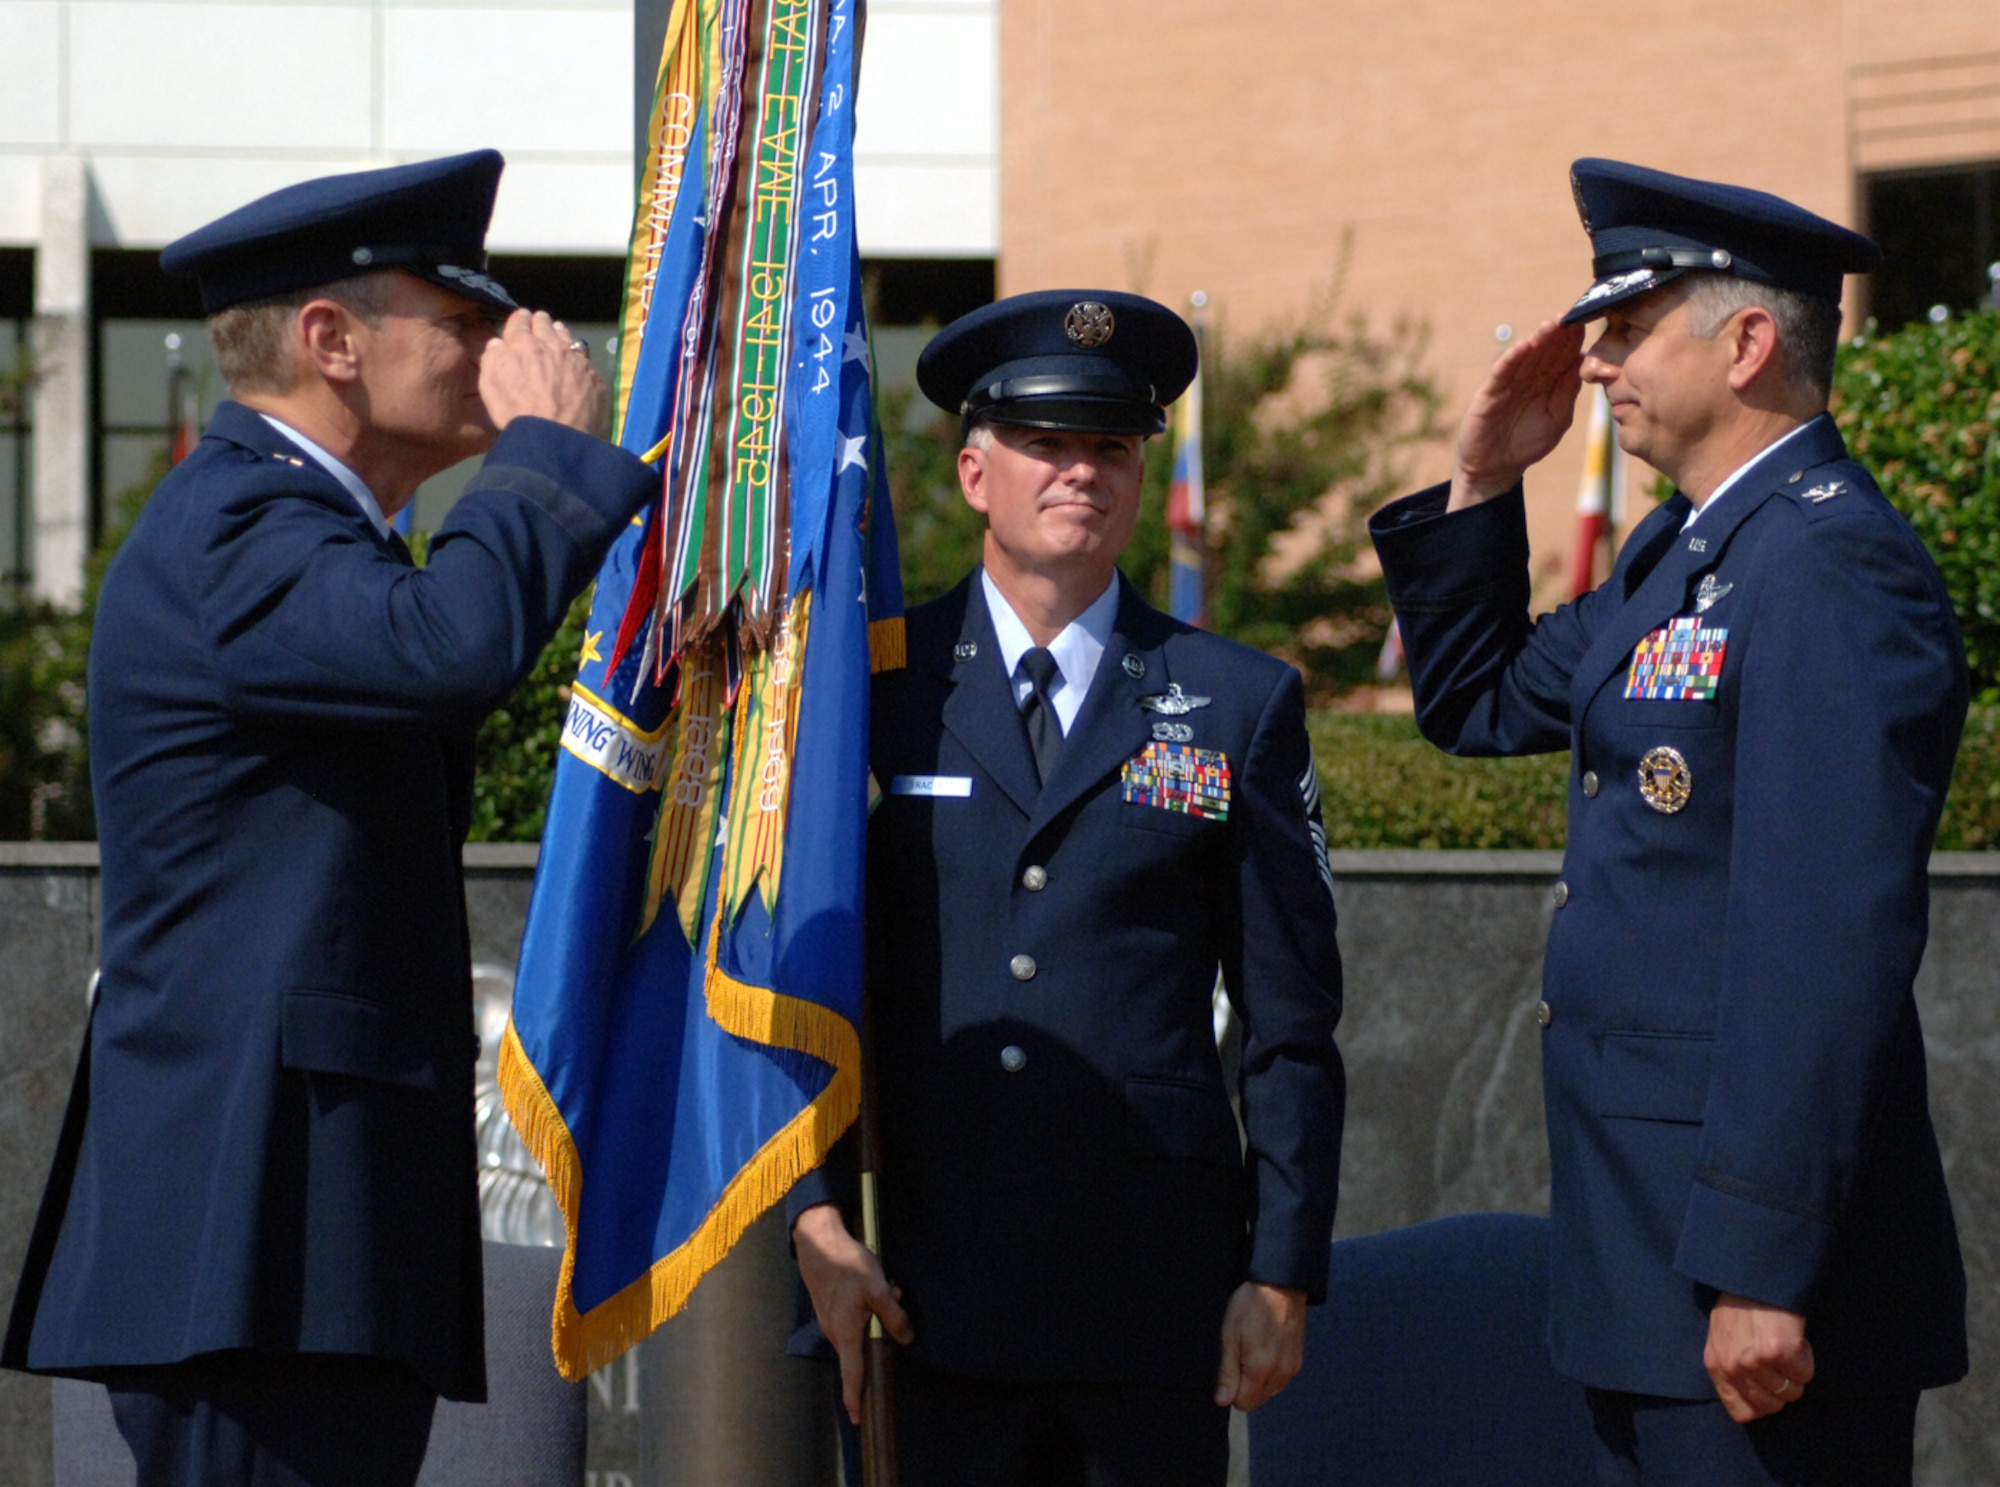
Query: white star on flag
<point>857,347</point>
<point>853,452</point>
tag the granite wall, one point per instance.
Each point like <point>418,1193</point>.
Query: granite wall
<point>1443,953</point>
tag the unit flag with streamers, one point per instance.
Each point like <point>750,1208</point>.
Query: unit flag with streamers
<point>684,1042</point>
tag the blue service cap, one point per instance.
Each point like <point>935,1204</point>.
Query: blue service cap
<point>1088,359</point>
<point>1647,228</point>
<point>428,219</point>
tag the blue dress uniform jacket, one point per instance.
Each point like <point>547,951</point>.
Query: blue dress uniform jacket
<point>1064,1192</point>
<point>1732,1065</point>
<point>270,1140</point>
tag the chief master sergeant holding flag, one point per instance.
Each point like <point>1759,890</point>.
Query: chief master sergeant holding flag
<point>263,1226</point>
<point>1089,809</point>
<point>1755,1266</point>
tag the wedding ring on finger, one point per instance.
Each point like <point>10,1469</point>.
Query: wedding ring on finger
<point>580,344</point>
<point>1785,1386</point>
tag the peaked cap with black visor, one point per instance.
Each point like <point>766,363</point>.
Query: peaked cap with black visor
<point>1648,228</point>
<point>1090,360</point>
<point>428,219</point>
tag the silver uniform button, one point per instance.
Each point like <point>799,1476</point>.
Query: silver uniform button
<point>1023,967</point>
<point>1590,783</point>
<point>1013,1059</point>
<point>1561,894</point>
<point>1035,879</point>
<point>1544,1014</point>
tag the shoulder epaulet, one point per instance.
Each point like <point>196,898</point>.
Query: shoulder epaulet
<point>1829,488</point>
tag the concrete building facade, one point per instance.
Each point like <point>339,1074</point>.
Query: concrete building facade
<point>125,123</point>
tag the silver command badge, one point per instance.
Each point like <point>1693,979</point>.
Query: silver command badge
<point>1089,324</point>
<point>1173,733</point>
<point>1665,781</point>
<point>1134,667</point>
<point>1173,702</point>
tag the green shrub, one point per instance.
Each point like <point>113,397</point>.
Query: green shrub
<point>44,726</point>
<point>44,776</point>
<point>1920,409</point>
<point>1972,810</point>
<point>1382,786</point>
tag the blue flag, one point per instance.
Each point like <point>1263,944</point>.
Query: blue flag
<point>686,1012</point>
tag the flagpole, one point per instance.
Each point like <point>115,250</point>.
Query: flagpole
<point>878,1389</point>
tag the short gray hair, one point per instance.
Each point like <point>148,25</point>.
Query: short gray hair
<point>1808,326</point>
<point>253,341</point>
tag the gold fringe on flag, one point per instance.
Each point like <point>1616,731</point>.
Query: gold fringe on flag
<point>887,650</point>
<point>581,1342</point>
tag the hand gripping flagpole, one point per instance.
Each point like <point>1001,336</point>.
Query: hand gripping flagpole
<point>878,1388</point>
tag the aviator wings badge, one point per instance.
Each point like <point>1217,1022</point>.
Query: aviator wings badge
<point>1707,592</point>
<point>1173,702</point>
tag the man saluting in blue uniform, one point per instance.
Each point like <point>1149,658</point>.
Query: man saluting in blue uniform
<point>262,1230</point>
<point>1089,809</point>
<point>1755,1266</point>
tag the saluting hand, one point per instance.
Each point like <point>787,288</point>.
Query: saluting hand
<point>1757,1356</point>
<point>1263,1343</point>
<point>1520,414</point>
<point>847,1287</point>
<point>536,368</point>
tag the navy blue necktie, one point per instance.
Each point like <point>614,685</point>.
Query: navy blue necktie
<point>1045,735</point>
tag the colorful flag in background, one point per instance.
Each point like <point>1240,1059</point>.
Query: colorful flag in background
<point>1187,511</point>
<point>183,405</point>
<point>1600,496</point>
<point>685,1034</point>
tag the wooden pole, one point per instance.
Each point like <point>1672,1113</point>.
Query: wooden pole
<point>878,1390</point>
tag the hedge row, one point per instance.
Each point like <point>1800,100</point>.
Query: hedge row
<point>1382,786</point>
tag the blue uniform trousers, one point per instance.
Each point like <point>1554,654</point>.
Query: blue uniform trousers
<point>252,1419</point>
<point>964,1432</point>
<point>1644,1441</point>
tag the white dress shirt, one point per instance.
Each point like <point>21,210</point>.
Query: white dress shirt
<point>1077,649</point>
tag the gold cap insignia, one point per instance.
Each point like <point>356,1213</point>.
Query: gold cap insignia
<point>1665,781</point>
<point>1089,324</point>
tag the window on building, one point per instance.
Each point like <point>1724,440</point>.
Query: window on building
<point>1940,234</point>
<point>17,524</point>
<point>909,300</point>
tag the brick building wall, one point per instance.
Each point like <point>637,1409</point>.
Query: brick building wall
<point>1178,146</point>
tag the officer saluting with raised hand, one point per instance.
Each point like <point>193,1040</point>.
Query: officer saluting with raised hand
<point>1755,1266</point>
<point>1089,809</point>
<point>262,1226</point>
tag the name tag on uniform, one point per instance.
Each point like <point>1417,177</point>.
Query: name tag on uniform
<point>1679,662</point>
<point>938,786</point>
<point>1179,777</point>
